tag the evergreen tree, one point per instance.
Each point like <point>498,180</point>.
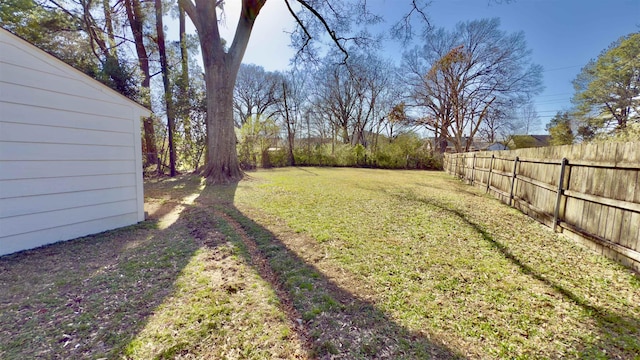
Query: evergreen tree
<point>560,129</point>
<point>608,88</point>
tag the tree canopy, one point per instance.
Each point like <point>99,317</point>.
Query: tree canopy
<point>341,103</point>
<point>559,129</point>
<point>460,78</point>
<point>607,90</point>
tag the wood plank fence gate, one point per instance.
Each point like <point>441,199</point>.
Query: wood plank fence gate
<point>589,192</point>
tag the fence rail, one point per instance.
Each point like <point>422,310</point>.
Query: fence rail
<point>590,192</point>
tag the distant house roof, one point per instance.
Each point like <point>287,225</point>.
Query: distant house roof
<point>475,145</point>
<point>528,141</point>
<point>496,146</point>
<point>541,140</point>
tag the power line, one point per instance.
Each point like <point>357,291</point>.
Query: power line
<point>551,101</point>
<point>563,68</point>
<point>550,95</point>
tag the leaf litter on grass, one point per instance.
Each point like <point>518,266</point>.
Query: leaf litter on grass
<point>449,261</point>
<point>178,289</point>
<point>320,263</point>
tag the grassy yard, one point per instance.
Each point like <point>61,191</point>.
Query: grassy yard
<point>319,263</point>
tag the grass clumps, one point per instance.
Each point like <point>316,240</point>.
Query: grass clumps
<point>176,286</point>
<point>320,263</point>
<point>442,261</point>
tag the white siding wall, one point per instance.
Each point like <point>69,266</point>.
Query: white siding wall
<point>70,154</point>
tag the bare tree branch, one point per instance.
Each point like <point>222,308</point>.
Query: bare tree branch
<point>331,32</point>
<point>304,28</point>
<point>190,8</point>
<point>403,29</point>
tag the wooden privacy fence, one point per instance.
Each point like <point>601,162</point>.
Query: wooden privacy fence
<point>590,192</point>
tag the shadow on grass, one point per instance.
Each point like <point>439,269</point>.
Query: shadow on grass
<point>92,297</point>
<point>306,171</point>
<point>335,322</point>
<point>88,297</point>
<point>617,331</point>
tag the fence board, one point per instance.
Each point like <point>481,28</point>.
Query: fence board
<point>599,197</point>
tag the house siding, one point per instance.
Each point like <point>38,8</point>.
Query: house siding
<point>70,154</point>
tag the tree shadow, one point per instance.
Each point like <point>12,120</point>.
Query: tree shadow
<point>617,331</point>
<point>88,297</point>
<point>306,170</point>
<point>91,297</point>
<point>334,322</point>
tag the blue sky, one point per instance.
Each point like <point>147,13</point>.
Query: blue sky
<point>562,34</point>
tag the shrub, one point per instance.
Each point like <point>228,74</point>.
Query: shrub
<point>406,151</point>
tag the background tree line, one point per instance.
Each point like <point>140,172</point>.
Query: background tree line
<point>606,100</point>
<point>347,106</point>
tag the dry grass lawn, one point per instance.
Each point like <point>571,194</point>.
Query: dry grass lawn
<point>319,263</point>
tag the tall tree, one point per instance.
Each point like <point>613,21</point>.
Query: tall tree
<point>186,102</point>
<point>351,95</point>
<point>137,18</point>
<point>256,93</point>
<point>183,81</point>
<point>458,77</point>
<point>102,42</point>
<point>336,95</point>
<point>608,88</point>
<point>221,69</point>
<point>291,134</point>
<point>221,65</point>
<point>560,129</point>
<point>108,20</point>
<point>498,126</point>
<point>528,118</point>
<point>292,105</point>
<point>168,98</point>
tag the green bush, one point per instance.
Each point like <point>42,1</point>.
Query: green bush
<point>255,137</point>
<point>406,151</point>
<point>276,158</point>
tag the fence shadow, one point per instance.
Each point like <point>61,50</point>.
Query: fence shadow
<point>589,194</point>
<point>613,327</point>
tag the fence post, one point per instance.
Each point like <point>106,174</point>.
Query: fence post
<point>473,169</point>
<point>463,169</point>
<point>490,168</point>
<point>513,180</point>
<point>556,212</point>
<point>455,166</point>
<point>445,164</point>
<point>448,162</point>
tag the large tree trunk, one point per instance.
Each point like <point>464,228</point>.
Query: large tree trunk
<point>136,20</point>
<point>221,69</point>
<point>290,134</point>
<point>167,87</point>
<point>221,165</point>
<point>221,158</point>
